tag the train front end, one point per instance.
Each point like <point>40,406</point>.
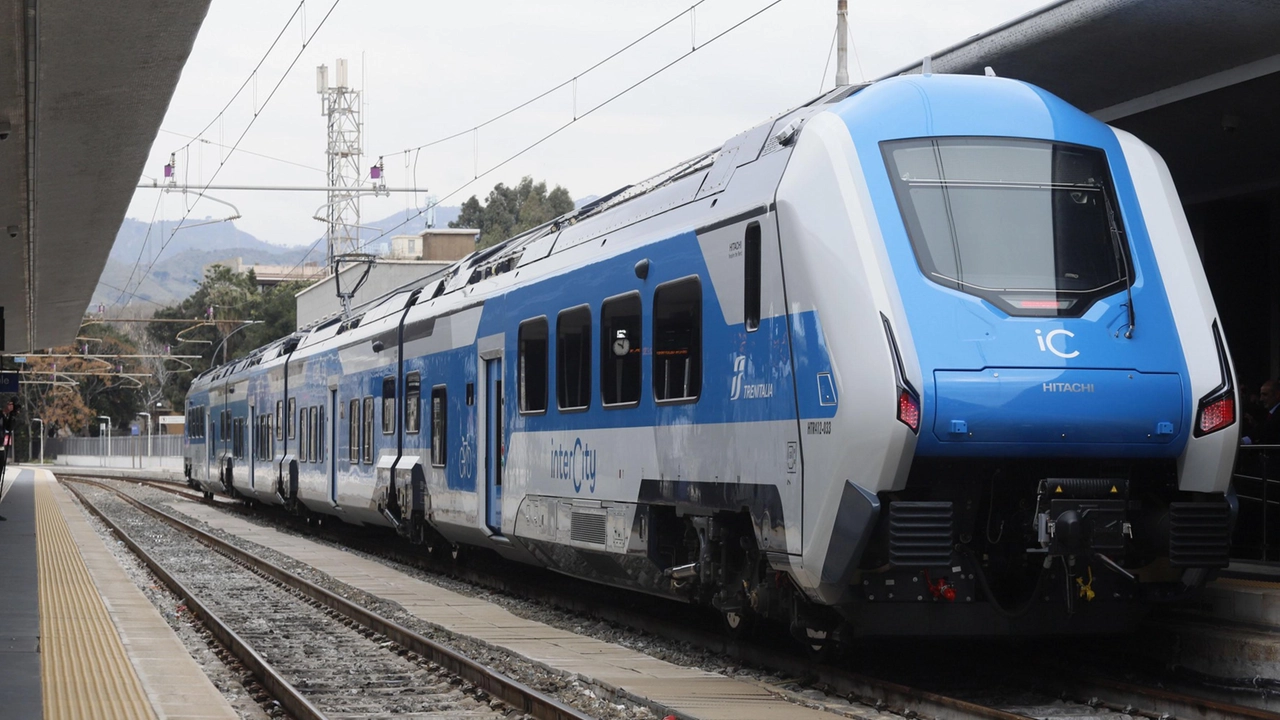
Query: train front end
<point>1061,383</point>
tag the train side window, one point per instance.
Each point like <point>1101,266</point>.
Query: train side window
<point>320,432</point>
<point>388,405</point>
<point>279,412</point>
<point>531,380</point>
<point>368,429</point>
<point>412,403</point>
<point>573,358</point>
<point>302,437</point>
<point>438,426</point>
<point>677,341</point>
<point>293,429</point>
<point>751,277</point>
<point>317,453</point>
<point>353,431</point>
<point>620,350</point>
<point>237,438</point>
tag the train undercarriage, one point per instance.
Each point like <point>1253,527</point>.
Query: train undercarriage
<point>967,548</point>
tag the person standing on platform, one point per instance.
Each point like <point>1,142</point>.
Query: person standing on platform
<point>1267,427</point>
<point>8,418</point>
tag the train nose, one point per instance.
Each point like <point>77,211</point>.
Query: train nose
<point>1048,408</point>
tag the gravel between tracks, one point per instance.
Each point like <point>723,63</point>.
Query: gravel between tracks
<point>339,669</point>
<point>569,688</point>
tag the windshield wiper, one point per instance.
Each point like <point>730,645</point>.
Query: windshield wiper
<point>1120,261</point>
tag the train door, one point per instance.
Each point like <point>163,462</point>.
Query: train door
<point>210,441</point>
<point>252,455</point>
<point>493,440</point>
<point>332,459</point>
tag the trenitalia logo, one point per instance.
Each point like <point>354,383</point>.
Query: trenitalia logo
<point>740,389</point>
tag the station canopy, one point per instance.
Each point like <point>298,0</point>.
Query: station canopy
<point>83,89</point>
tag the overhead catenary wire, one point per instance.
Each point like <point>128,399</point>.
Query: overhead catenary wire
<point>822,86</point>
<point>145,239</point>
<point>254,72</point>
<point>570,82</point>
<point>206,141</point>
<point>240,139</point>
<point>565,126</point>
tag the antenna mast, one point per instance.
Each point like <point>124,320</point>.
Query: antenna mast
<point>340,104</point>
<point>842,43</point>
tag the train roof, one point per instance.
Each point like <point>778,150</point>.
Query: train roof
<point>622,207</point>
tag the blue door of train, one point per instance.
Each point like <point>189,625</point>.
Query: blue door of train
<point>493,444</point>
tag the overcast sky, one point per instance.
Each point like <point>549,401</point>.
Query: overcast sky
<point>430,68</point>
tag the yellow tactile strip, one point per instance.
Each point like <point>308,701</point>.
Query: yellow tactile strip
<point>85,673</point>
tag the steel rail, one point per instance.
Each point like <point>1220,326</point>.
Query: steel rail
<point>1119,694</point>
<point>514,693</point>
<point>896,697</point>
<point>284,692</point>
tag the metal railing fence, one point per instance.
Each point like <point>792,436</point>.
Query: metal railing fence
<point>116,446</point>
<point>1257,483</point>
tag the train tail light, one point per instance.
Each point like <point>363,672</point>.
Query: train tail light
<point>1217,410</point>
<point>908,398</point>
<point>909,410</point>
<point>1216,415</point>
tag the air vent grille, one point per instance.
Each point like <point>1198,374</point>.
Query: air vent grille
<point>588,527</point>
<point>1199,534</point>
<point>920,534</point>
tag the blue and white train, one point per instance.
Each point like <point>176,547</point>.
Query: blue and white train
<point>934,355</point>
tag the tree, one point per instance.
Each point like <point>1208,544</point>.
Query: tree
<point>509,211</point>
<point>216,308</point>
<point>69,390</point>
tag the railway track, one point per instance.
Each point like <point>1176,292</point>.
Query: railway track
<point>1029,689</point>
<point>324,657</point>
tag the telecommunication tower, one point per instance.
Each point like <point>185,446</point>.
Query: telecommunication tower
<point>340,104</point>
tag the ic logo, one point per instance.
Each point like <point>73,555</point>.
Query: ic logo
<point>1047,343</point>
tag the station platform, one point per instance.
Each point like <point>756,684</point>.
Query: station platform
<point>78,640</point>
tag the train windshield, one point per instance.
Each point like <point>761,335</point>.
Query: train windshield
<point>1031,226</point>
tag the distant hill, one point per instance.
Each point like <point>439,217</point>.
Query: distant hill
<point>181,266</point>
